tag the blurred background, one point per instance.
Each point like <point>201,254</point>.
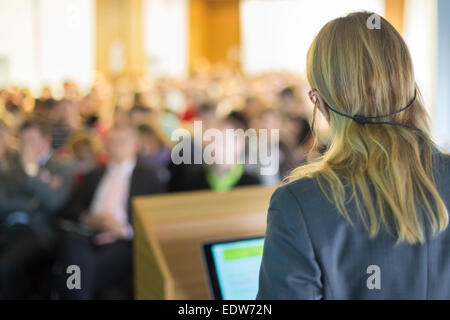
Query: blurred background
<point>163,47</point>
<point>70,70</point>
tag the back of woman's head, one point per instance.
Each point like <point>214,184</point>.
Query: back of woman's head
<point>365,71</point>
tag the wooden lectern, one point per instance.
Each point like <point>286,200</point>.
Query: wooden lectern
<point>170,229</point>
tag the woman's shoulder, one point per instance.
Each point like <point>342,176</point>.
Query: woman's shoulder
<point>293,193</point>
<point>441,159</point>
<point>441,165</point>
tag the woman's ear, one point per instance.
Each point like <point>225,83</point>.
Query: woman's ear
<point>323,108</point>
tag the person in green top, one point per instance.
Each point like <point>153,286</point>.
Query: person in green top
<point>226,180</point>
<point>222,175</point>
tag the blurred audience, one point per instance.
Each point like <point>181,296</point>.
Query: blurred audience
<point>31,190</point>
<point>71,160</point>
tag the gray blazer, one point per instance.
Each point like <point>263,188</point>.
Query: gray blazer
<point>312,252</point>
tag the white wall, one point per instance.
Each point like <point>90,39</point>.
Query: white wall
<point>420,34</point>
<point>441,108</point>
<point>67,41</point>
<point>16,42</point>
<point>427,33</point>
<point>276,34</point>
<point>47,41</point>
<point>166,37</point>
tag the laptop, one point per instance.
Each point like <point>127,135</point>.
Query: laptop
<point>232,267</point>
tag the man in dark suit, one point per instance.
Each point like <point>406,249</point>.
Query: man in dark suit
<point>31,190</point>
<point>102,208</point>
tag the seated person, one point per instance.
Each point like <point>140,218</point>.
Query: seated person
<point>85,154</point>
<point>153,150</point>
<point>102,204</point>
<point>270,120</point>
<point>219,176</point>
<point>140,113</point>
<point>6,147</point>
<point>31,190</point>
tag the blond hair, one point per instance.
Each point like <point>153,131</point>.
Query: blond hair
<point>362,71</point>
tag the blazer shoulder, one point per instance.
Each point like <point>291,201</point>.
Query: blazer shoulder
<point>444,160</point>
<point>293,193</point>
<point>441,165</point>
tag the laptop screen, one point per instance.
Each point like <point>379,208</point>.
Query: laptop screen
<point>234,268</point>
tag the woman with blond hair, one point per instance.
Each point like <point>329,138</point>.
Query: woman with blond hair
<point>368,219</point>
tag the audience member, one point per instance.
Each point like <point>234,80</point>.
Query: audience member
<point>221,175</point>
<point>86,155</point>
<point>270,121</point>
<point>102,205</point>
<point>154,151</point>
<point>31,190</point>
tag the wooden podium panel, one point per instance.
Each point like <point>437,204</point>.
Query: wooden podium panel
<point>170,229</point>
